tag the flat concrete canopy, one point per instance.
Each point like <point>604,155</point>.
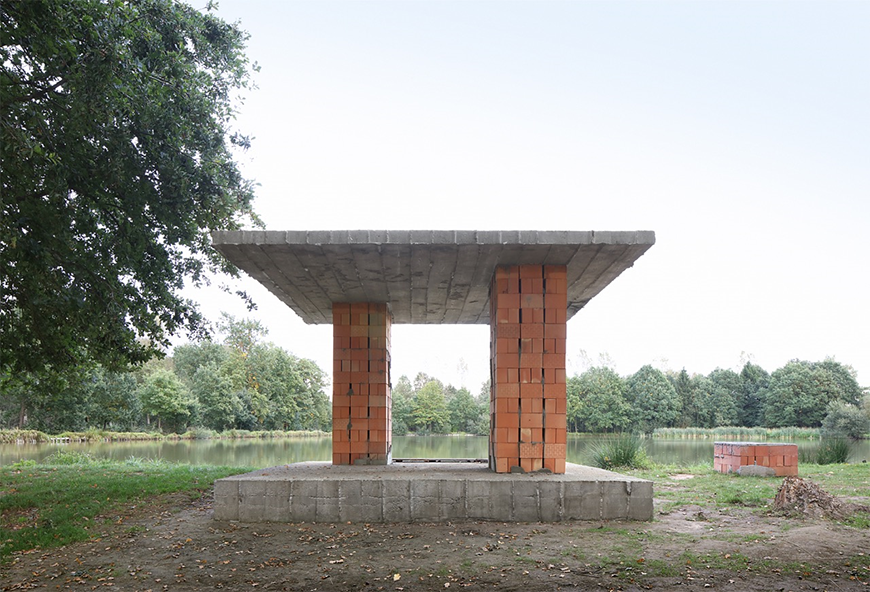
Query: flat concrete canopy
<point>427,276</point>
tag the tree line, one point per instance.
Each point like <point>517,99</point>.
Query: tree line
<point>245,383</point>
<point>241,383</point>
<point>426,406</point>
<point>800,394</point>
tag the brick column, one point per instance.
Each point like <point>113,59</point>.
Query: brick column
<point>361,402</point>
<point>528,322</point>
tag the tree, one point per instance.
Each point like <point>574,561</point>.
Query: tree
<point>597,401</point>
<point>845,420</point>
<point>466,415</point>
<point>685,389</point>
<point>755,382</point>
<point>189,358</point>
<point>220,405</point>
<point>117,160</point>
<point>800,392</point>
<point>163,395</point>
<point>109,400</point>
<point>653,399</point>
<point>429,414</point>
<point>724,399</point>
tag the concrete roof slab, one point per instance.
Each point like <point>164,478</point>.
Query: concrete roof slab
<point>427,276</point>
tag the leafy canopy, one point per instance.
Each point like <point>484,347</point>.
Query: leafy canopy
<point>117,160</point>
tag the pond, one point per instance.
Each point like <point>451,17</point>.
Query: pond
<point>267,453</point>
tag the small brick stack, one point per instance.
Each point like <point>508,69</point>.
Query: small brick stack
<point>730,456</point>
<point>361,404</point>
<point>528,321</point>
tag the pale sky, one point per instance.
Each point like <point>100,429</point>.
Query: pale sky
<point>738,131</point>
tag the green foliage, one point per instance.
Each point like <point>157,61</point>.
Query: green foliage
<point>845,420</point>
<point>65,456</point>
<point>429,413</point>
<point>23,436</point>
<point>833,451</point>
<point>597,403</point>
<point>624,450</point>
<point>164,396</point>
<point>800,392</point>
<point>653,398</point>
<point>685,389</point>
<point>220,405</point>
<point>755,381</point>
<point>467,415</point>
<point>117,160</point>
<point>723,400</point>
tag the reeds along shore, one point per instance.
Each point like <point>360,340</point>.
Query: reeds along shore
<point>742,433</point>
<point>35,436</point>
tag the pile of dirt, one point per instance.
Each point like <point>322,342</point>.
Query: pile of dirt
<point>802,497</point>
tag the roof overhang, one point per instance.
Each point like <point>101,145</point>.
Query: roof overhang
<point>427,276</point>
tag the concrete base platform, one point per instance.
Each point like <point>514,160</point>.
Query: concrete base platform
<point>403,492</point>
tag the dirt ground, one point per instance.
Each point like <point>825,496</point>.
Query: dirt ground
<point>177,545</point>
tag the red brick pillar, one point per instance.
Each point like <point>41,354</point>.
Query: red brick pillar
<point>361,402</point>
<point>528,322</point>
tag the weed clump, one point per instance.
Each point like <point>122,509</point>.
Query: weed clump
<point>622,451</point>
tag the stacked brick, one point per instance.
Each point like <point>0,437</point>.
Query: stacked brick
<point>361,404</point>
<point>528,315</point>
<point>730,456</point>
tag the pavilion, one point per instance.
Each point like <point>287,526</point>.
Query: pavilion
<point>525,285</point>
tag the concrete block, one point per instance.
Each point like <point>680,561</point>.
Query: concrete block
<point>615,495</point>
<point>397,502</point>
<point>252,500</point>
<point>371,506</point>
<point>501,500</point>
<point>350,501</point>
<point>328,500</point>
<point>226,499</point>
<point>526,502</point>
<point>451,499</point>
<point>756,471</point>
<point>550,497</point>
<point>582,500</point>
<point>478,495</point>
<point>277,503</point>
<point>424,500</point>
<point>420,237</point>
<point>641,500</point>
<point>303,500</point>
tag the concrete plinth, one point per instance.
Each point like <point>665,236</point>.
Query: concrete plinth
<point>401,492</point>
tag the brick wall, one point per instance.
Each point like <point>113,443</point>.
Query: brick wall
<point>730,456</point>
<point>361,403</point>
<point>528,308</point>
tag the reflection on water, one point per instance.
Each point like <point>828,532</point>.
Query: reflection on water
<point>269,453</point>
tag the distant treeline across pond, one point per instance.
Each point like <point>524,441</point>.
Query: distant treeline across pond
<point>259,453</point>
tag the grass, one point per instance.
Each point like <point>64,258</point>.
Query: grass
<point>707,487</point>
<point>70,496</point>
<point>832,451</point>
<point>620,451</point>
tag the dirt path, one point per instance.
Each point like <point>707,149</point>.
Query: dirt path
<point>180,547</point>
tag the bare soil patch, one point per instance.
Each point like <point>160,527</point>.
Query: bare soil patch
<point>177,545</point>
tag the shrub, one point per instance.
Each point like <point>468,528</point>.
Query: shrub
<point>833,451</point>
<point>621,451</point>
<point>845,421</point>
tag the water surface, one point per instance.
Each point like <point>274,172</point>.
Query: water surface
<point>268,453</point>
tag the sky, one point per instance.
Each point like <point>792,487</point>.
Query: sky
<point>738,131</point>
